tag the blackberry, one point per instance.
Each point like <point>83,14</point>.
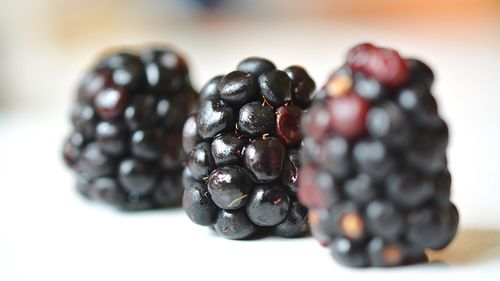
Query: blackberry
<point>243,146</point>
<point>126,144</point>
<point>374,172</point>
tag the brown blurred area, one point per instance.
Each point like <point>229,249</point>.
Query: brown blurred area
<point>44,44</point>
<point>76,22</point>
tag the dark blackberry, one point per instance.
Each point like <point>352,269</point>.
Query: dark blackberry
<point>214,116</point>
<point>234,224</point>
<point>256,66</point>
<point>264,158</point>
<point>319,189</point>
<point>269,205</point>
<point>255,119</point>
<point>291,165</point>
<point>229,186</point>
<point>72,149</point>
<point>347,252</point>
<point>238,88</point>
<point>200,161</point>
<point>374,169</point>
<point>198,204</point>
<point>211,89</point>
<point>83,118</point>
<point>243,147</point>
<point>111,138</point>
<point>126,145</point>
<point>228,148</point>
<point>302,86</point>
<point>106,190</point>
<point>288,124</point>
<point>275,86</point>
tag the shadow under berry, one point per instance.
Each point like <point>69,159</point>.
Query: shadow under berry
<point>471,245</point>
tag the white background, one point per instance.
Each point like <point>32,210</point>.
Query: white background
<point>47,232</point>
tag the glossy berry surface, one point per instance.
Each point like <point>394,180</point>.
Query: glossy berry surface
<point>237,87</point>
<point>214,116</point>
<point>126,144</point>
<point>229,186</point>
<point>269,205</point>
<point>288,119</point>
<point>302,86</point>
<point>374,171</point>
<point>264,158</point>
<point>275,86</point>
<point>243,148</point>
<point>198,205</point>
<point>255,119</point>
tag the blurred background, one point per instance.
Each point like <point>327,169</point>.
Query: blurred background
<point>46,46</point>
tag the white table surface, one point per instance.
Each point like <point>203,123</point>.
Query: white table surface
<point>47,232</point>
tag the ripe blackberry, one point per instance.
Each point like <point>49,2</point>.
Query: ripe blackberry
<point>374,172</point>
<point>126,144</point>
<point>243,148</point>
